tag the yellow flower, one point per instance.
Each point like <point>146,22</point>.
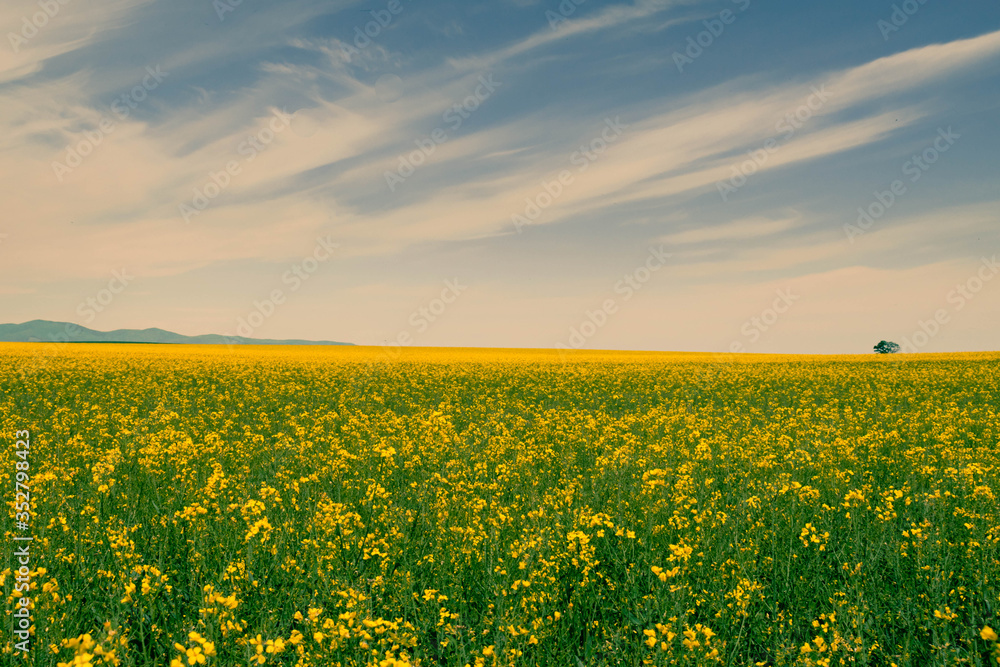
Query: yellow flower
<point>988,633</point>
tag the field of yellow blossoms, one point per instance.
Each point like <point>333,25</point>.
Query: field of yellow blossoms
<point>343,506</point>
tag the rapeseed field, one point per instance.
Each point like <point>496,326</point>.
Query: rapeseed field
<point>341,506</point>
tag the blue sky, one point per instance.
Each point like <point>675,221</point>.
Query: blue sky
<point>633,175</point>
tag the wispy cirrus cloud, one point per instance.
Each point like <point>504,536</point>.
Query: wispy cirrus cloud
<point>356,117</point>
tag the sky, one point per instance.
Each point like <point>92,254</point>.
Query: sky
<point>734,175</point>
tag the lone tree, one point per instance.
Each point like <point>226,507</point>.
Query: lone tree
<point>886,347</point>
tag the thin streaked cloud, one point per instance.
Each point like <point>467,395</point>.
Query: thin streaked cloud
<point>536,159</point>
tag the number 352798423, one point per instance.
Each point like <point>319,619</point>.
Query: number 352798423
<point>23,500</point>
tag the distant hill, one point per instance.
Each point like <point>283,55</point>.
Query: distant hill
<point>45,331</point>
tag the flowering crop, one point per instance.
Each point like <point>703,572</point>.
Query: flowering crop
<point>197,505</point>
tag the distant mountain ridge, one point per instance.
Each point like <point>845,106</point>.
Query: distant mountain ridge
<point>45,331</point>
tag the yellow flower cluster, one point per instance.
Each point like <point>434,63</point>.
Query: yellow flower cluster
<point>197,653</point>
<point>330,507</point>
<point>91,652</point>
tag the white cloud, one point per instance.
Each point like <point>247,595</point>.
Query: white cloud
<point>746,228</point>
<point>120,206</point>
<point>39,36</point>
